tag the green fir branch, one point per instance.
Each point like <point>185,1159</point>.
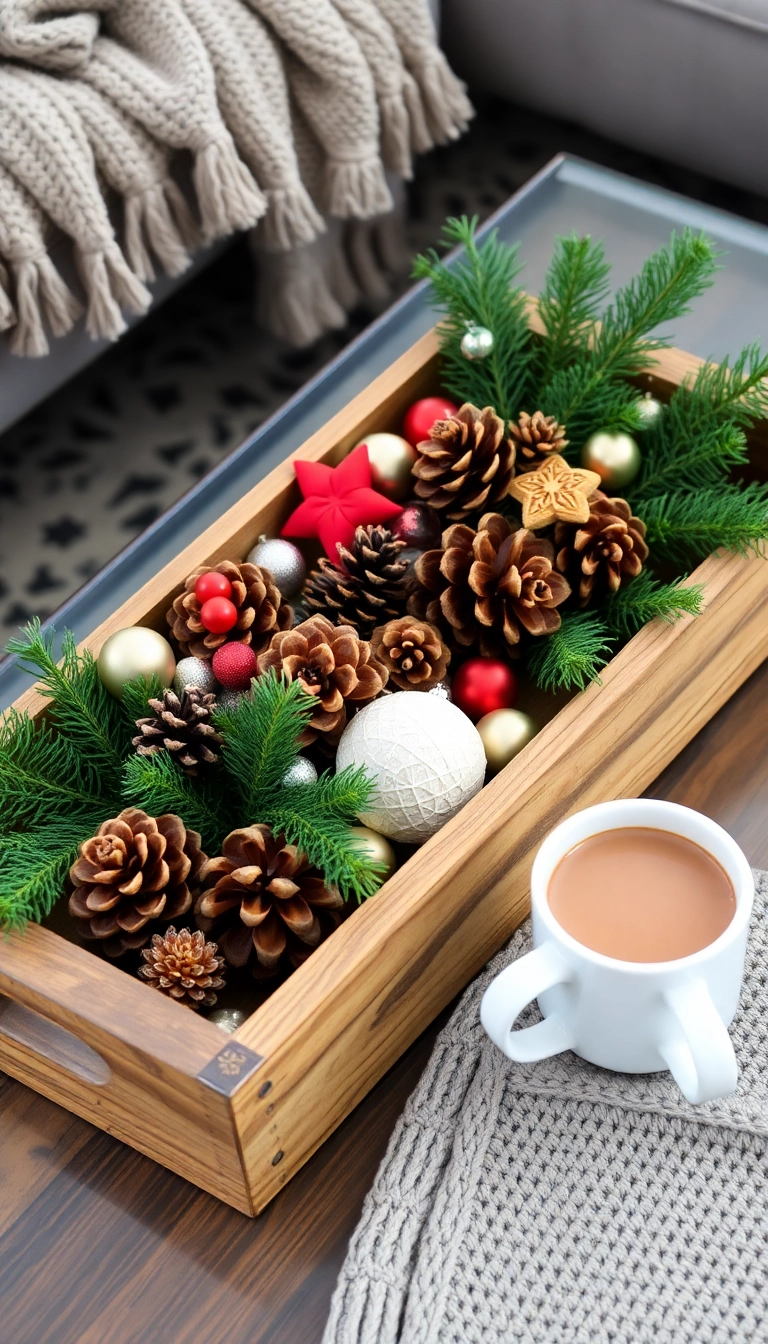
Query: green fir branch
<point>480,289</point>
<point>685,526</point>
<point>571,657</point>
<point>158,784</point>
<point>135,702</point>
<point>34,865</point>
<point>261,738</point>
<point>646,599</point>
<point>677,453</point>
<point>41,775</point>
<point>575,287</point>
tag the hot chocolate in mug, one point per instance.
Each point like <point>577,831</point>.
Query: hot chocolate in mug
<point>629,1016</point>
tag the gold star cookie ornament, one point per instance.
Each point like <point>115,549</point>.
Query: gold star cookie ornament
<point>555,493</point>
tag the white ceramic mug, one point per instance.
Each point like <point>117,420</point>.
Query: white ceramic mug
<point>633,1017</point>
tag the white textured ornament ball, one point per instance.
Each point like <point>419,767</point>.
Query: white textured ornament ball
<point>426,759</point>
<point>477,342</point>
<point>301,772</point>
<point>132,653</point>
<point>194,672</point>
<point>284,561</point>
<point>615,457</point>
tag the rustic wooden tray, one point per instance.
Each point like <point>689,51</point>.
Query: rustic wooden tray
<point>238,1115</point>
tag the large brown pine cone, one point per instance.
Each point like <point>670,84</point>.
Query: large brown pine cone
<point>467,462</point>
<point>137,870</point>
<point>260,611</point>
<point>609,547</point>
<point>369,586</point>
<point>184,967</point>
<point>333,665</point>
<point>486,586</point>
<point>536,436</point>
<point>181,726</point>
<point>264,903</point>
<point>412,652</point>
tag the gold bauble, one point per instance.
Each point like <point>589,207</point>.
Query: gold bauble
<point>375,847</point>
<point>649,410</point>
<point>391,458</point>
<point>504,733</point>
<point>135,652</point>
<point>615,458</point>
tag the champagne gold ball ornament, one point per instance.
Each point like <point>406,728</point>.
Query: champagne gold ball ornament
<point>194,672</point>
<point>504,733</point>
<point>649,409</point>
<point>477,342</point>
<point>135,652</point>
<point>391,458</point>
<point>228,1019</point>
<point>376,848</point>
<point>284,561</point>
<point>615,458</point>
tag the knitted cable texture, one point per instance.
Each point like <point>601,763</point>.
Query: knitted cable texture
<point>560,1202</point>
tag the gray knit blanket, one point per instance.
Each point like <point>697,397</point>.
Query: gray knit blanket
<point>559,1202</point>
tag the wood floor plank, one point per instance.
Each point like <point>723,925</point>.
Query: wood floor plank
<point>39,1140</point>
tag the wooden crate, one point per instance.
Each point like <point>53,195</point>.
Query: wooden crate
<point>239,1115</point>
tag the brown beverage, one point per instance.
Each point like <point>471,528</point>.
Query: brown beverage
<point>641,894</point>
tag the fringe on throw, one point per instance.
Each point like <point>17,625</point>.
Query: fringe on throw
<point>341,281</point>
<point>41,297</point>
<point>110,285</point>
<point>357,190</point>
<point>227,194</point>
<point>156,222</point>
<point>294,298</point>
<point>291,219</point>
<point>364,261</point>
<point>396,135</point>
<point>421,140</point>
<point>7,310</point>
<point>446,104</point>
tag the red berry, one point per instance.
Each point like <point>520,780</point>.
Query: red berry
<point>218,615</point>
<point>421,416</point>
<point>211,585</point>
<point>482,685</point>
<point>234,665</point>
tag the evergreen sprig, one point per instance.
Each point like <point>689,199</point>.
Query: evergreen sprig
<point>575,288</point>
<point>34,866</point>
<point>573,656</point>
<point>157,784</point>
<point>647,599</point>
<point>685,526</point>
<point>481,290</point>
<point>261,737</point>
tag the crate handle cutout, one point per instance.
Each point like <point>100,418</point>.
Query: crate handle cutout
<point>26,1027</point>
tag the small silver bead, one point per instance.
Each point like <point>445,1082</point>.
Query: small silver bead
<point>283,560</point>
<point>442,689</point>
<point>228,1019</point>
<point>194,672</point>
<point>477,342</point>
<point>301,772</point>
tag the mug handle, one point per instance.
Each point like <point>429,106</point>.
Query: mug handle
<point>508,994</point>
<point>703,1063</point>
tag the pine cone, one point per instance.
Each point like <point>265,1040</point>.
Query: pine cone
<point>536,436</point>
<point>135,871</point>
<point>332,664</point>
<point>264,903</point>
<point>184,967</point>
<point>487,585</point>
<point>465,463</point>
<point>260,611</point>
<point>180,726</point>
<point>609,547</point>
<point>412,652</point>
<point>369,586</point>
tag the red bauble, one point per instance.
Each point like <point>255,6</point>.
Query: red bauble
<point>218,615</point>
<point>418,526</point>
<point>482,685</point>
<point>422,415</point>
<point>234,665</point>
<point>211,585</point>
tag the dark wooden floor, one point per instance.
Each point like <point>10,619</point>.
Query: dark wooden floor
<point>100,1246</point>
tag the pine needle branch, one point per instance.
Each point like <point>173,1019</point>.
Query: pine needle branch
<point>34,866</point>
<point>261,738</point>
<point>575,288</point>
<point>41,775</point>
<point>680,453</point>
<point>646,599</point>
<point>480,289</point>
<point>573,656</point>
<point>157,784</point>
<point>685,526</point>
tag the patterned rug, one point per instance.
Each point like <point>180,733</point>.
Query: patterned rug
<point>88,470</point>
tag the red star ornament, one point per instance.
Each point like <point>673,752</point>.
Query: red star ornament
<point>336,501</point>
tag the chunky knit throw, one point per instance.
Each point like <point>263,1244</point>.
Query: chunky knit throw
<point>286,113</point>
<point>562,1204</point>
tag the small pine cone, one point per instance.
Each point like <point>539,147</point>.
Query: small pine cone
<point>137,870</point>
<point>260,611</point>
<point>609,547</point>
<point>333,665</point>
<point>487,586</point>
<point>369,586</point>
<point>466,463</point>
<point>180,725</point>
<point>412,652</point>
<point>264,903</point>
<point>184,967</point>
<point>536,437</point>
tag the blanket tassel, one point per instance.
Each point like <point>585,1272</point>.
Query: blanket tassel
<point>227,194</point>
<point>110,285</point>
<point>160,215</point>
<point>447,106</point>
<point>41,296</point>
<point>291,219</point>
<point>396,135</point>
<point>357,189</point>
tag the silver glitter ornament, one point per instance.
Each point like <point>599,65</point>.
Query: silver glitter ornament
<point>284,562</point>
<point>477,342</point>
<point>194,672</point>
<point>301,772</point>
<point>442,689</point>
<point>649,409</point>
<point>228,699</point>
<point>228,1019</point>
